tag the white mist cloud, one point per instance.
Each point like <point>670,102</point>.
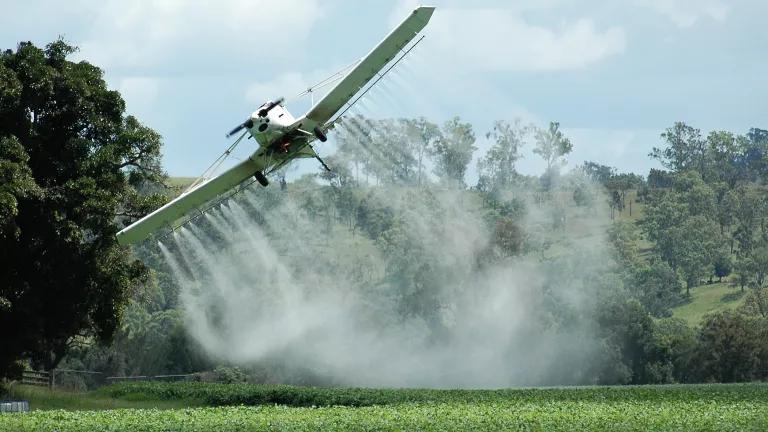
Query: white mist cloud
<point>265,277</point>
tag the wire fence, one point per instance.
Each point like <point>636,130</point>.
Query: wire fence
<point>83,380</point>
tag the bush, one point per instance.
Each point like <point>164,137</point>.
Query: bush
<point>731,348</point>
<point>230,375</point>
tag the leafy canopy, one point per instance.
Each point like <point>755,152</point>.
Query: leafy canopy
<point>73,166</point>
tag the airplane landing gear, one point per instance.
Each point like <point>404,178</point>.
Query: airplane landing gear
<point>261,178</point>
<point>320,134</point>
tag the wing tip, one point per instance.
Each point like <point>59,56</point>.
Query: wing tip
<point>425,10</point>
<point>424,13</point>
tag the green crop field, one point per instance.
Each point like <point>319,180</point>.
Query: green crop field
<point>683,408</point>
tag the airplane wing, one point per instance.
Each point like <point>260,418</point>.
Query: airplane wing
<point>369,66</point>
<point>183,204</point>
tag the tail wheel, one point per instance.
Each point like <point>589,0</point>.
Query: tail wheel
<point>320,134</point>
<point>261,179</point>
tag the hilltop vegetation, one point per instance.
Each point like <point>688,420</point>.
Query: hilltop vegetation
<point>687,231</point>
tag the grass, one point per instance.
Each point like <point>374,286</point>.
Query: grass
<point>180,182</point>
<point>706,299</point>
<point>42,398</point>
<point>638,408</point>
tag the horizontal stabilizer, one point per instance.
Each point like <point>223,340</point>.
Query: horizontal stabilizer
<point>179,207</point>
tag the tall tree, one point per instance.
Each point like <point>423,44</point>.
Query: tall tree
<point>422,134</point>
<point>75,163</point>
<point>754,160</point>
<point>552,145</point>
<point>598,172</point>
<point>453,151</point>
<point>724,149</point>
<point>685,149</point>
<point>498,164</point>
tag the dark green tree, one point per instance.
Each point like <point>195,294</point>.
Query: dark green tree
<point>73,165</point>
<point>685,149</point>
<point>723,264</point>
<point>729,348</point>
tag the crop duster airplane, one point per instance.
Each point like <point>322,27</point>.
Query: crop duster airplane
<point>281,137</point>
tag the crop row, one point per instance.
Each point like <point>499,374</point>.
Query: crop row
<point>251,394</point>
<point>552,416</point>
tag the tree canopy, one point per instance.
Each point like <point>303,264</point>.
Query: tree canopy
<point>73,166</point>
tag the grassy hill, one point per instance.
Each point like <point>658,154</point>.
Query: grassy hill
<point>709,298</point>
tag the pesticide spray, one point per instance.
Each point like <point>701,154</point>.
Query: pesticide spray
<point>401,294</point>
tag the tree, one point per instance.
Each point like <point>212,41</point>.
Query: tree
<point>723,265</point>
<point>748,211</point>
<point>16,183</point>
<point>423,135</point>
<point>657,287</point>
<point>552,145</point>
<point>693,247</point>
<point>660,178</point>
<point>498,164</point>
<point>75,165</point>
<point>697,195</point>
<point>453,151</point>
<point>729,348</point>
<point>582,196</point>
<point>597,172</point>
<point>723,151</point>
<point>629,327</point>
<point>685,149</point>
<point>754,159</point>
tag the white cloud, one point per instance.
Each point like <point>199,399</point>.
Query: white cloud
<point>207,37</point>
<point>685,13</point>
<point>501,40</point>
<point>290,85</point>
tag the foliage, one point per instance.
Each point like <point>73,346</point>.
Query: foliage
<point>497,167</point>
<point>707,407</point>
<point>453,151</point>
<point>71,162</point>
<point>732,347</point>
<point>552,145</point>
<point>685,149</point>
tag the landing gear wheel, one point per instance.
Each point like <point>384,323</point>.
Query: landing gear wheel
<point>319,134</point>
<point>261,179</point>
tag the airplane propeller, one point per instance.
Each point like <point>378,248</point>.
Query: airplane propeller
<point>261,113</point>
<point>264,111</point>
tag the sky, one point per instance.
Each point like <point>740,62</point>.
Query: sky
<point>615,74</point>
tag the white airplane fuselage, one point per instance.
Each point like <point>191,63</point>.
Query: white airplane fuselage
<point>275,124</point>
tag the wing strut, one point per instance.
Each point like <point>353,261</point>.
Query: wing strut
<point>379,77</point>
<point>215,165</point>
